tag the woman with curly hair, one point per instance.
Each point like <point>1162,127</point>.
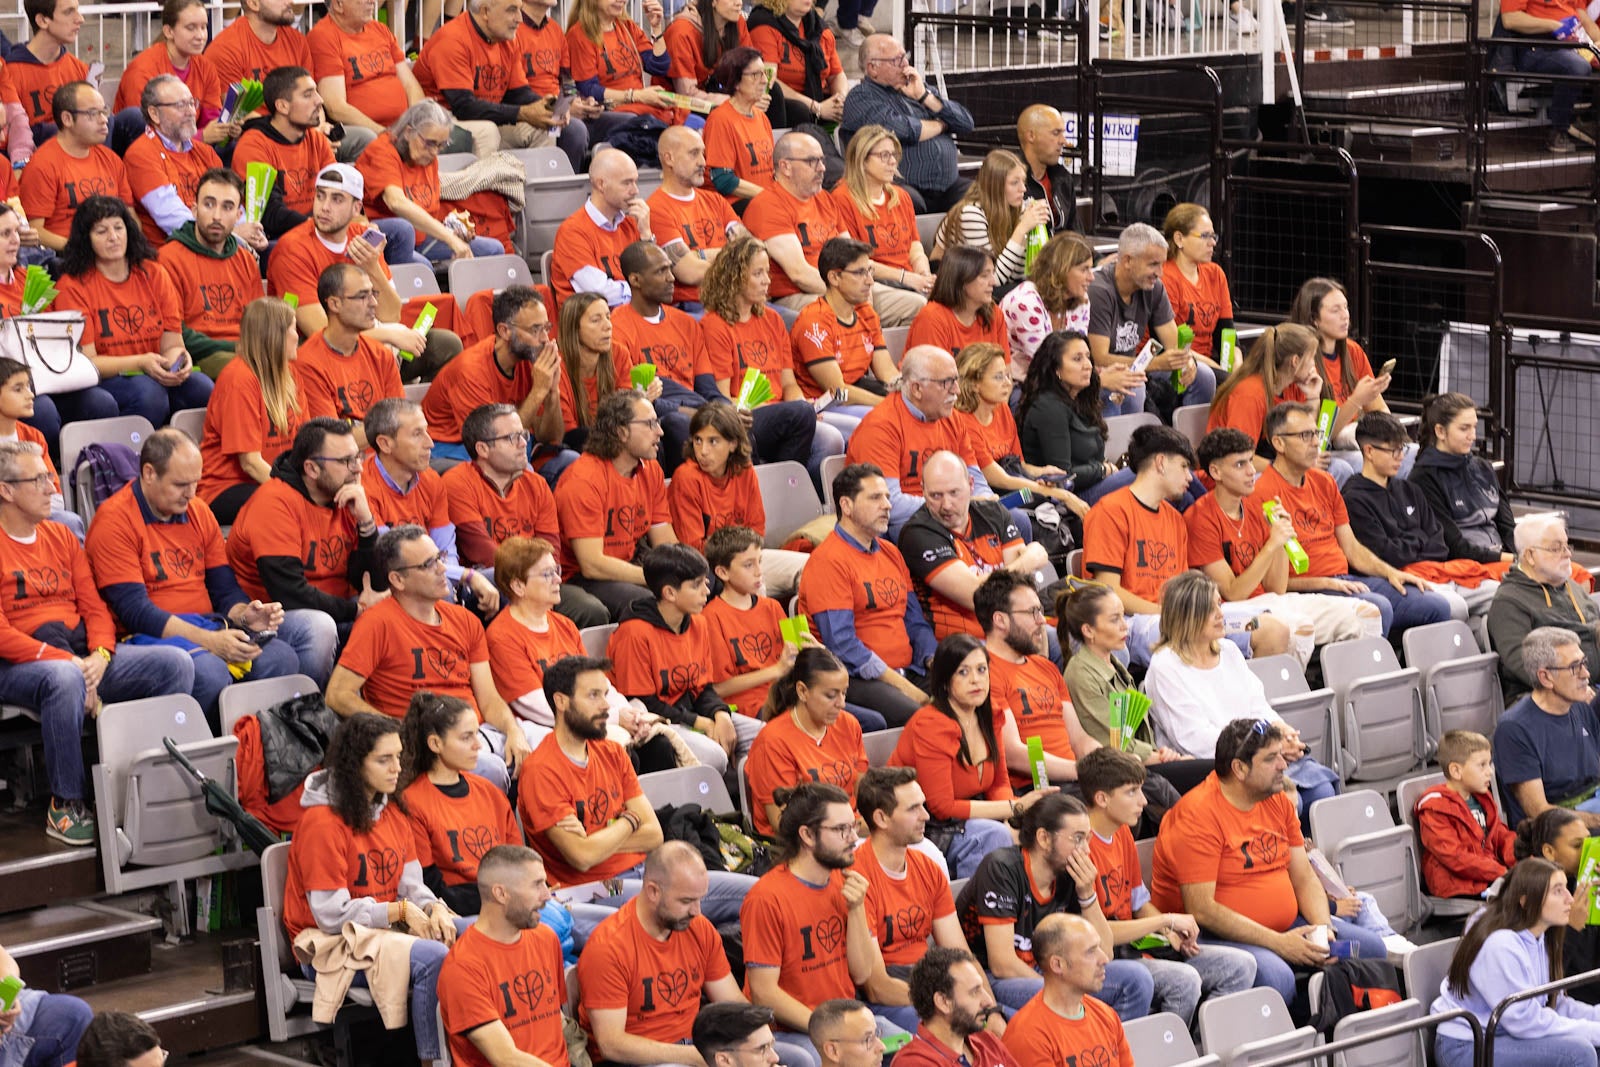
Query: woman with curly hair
<point>1060,412</point>
<point>983,411</point>
<point>960,310</point>
<point>743,334</point>
<point>610,57</point>
<point>879,213</point>
<point>738,136</point>
<point>995,215</point>
<point>1053,298</point>
<point>354,860</point>
<point>811,85</point>
<point>133,332</point>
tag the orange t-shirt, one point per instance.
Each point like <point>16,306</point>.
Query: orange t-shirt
<point>1036,694</point>
<point>53,183</point>
<point>36,83</point>
<point>659,983</point>
<point>214,292</point>
<point>580,242</point>
<point>1145,547</point>
<point>891,232</point>
<point>686,46</point>
<point>1318,511</point>
<point>551,787</point>
<point>674,343</point>
<point>931,742</point>
<point>791,62</point>
<point>455,828</point>
<point>123,318</point>
<point>896,440</point>
<point>742,144</point>
<point>937,325</point>
<point>743,640</point>
<point>819,335</point>
<point>1204,838</point>
<point>1243,409</point>
<point>903,907</point>
<point>594,500</point>
<point>650,660</point>
<point>366,60</point>
<point>381,166</point>
<point>423,505</point>
<point>872,586</point>
<point>297,164</point>
<point>458,56</point>
<point>528,509</point>
<point>170,559</point>
<point>474,991</point>
<point>518,656</point>
<point>1201,304</point>
<point>701,222</point>
<point>622,366</point>
<point>397,655</point>
<point>702,505</point>
<point>11,296</point>
<point>278,521</point>
<point>544,54</point>
<point>300,257</point>
<point>237,53</point>
<point>51,581</point>
<point>151,165</point>
<point>617,61</point>
<point>995,441</point>
<point>237,423</point>
<point>1213,536</point>
<point>200,76</point>
<point>776,211</point>
<point>1330,368</point>
<point>340,386</point>
<point>798,928</point>
<point>1036,1034</point>
<point>28,433</point>
<point>1119,874</point>
<point>327,855</point>
<point>469,381</point>
<point>783,756</point>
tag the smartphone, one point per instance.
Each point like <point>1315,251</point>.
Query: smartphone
<point>1388,369</point>
<point>560,108</point>
<point>373,237</point>
<point>260,637</point>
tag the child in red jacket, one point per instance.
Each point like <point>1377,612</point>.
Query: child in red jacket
<point>1465,846</point>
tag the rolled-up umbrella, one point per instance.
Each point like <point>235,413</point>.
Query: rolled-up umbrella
<point>224,805</point>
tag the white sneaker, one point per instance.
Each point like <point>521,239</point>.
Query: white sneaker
<point>1398,948</point>
<point>866,26</point>
<point>850,38</point>
<point>1243,19</point>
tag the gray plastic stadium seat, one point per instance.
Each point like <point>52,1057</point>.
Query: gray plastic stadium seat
<point>1159,1040</point>
<point>468,276</point>
<point>595,639</point>
<point>1119,431</point>
<point>547,202</point>
<point>747,802</point>
<point>894,339</point>
<point>1425,969</point>
<point>1248,1027</point>
<point>1372,853</point>
<point>130,430</point>
<point>191,421</point>
<point>546,258</point>
<point>1308,710</point>
<point>831,466</point>
<point>928,230</point>
<point>1075,563</point>
<point>543,162</point>
<point>454,161</point>
<point>247,698</point>
<point>1147,859</point>
<point>881,745</point>
<point>416,392</point>
<point>687,785</point>
<point>1379,705</point>
<point>788,498</point>
<point>1404,1050</point>
<point>413,279</point>
<point>1191,422</point>
<point>1406,795</point>
<point>1460,683</point>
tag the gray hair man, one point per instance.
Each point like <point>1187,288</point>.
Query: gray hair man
<point>1547,745</point>
<point>1538,591</point>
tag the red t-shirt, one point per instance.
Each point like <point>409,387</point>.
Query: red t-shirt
<point>327,855</point>
<point>783,756</point>
<point>544,54</point>
<point>456,825</point>
<point>297,164</point>
<point>702,505</point>
<point>237,423</point>
<point>1117,864</point>
<point>701,222</point>
<point>580,243</point>
<point>791,62</point>
<point>423,504</point>
<point>617,61</point>
<point>381,167</point>
<point>896,440</point>
<point>650,660</point>
<point>891,232</point>
<point>278,521</point>
<point>594,500</point>
<point>674,343</point>
<point>151,165</point>
<point>1359,364</point>
<point>1200,304</point>
<point>237,52</point>
<point>1036,695</point>
<point>469,381</point>
<point>397,655</point>
<point>1037,1035</point>
<point>740,143</point>
<point>458,56</point>
<point>1215,537</point>
<point>200,76</point>
<point>872,586</point>
<point>484,519</point>
<point>776,212</point>
<point>1144,547</point>
<point>51,582</point>
<point>123,318</point>
<point>686,46</point>
<point>518,656</point>
<point>521,986</point>
<point>551,787</point>
<point>170,559</point>
<point>1317,510</point>
<point>931,742</point>
<point>214,292</point>
<point>36,83</point>
<point>300,257</point>
<point>345,386</point>
<point>760,342</point>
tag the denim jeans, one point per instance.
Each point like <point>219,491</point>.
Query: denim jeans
<point>211,675</point>
<point>436,251</point>
<point>54,688</point>
<point>56,1026</point>
<point>1128,990</point>
<point>725,893</point>
<point>1215,972</point>
<point>426,958</point>
<point>1273,970</point>
<point>137,394</point>
<point>400,242</point>
<point>1401,611</point>
<point>314,637</point>
<point>978,838</point>
<point>1518,1052</point>
<point>1563,95</point>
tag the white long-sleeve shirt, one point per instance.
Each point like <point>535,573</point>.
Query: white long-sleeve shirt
<point>1189,706</point>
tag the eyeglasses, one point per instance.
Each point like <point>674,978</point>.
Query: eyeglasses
<point>1032,613</point>
<point>363,295</point>
<point>1580,667</point>
<point>519,436</point>
<point>1207,236</point>
<point>539,329</point>
<point>654,424</point>
<point>352,462</point>
<point>38,481</point>
<point>810,161</point>
<point>1560,548</point>
<point>946,384</point>
<point>88,112</point>
<point>437,146</point>
<point>1390,450</point>
<point>763,1050</point>
<point>432,563</point>
<point>895,59</point>
<point>1079,838</point>
<point>885,157</point>
<point>551,575</point>
<point>866,1041</point>
<point>1305,436</point>
<point>762,73</point>
<point>843,829</point>
<point>181,105</point>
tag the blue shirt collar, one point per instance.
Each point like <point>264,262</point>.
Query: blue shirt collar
<point>853,543</point>
<point>150,517</point>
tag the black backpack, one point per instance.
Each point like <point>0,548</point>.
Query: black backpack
<point>1349,986</point>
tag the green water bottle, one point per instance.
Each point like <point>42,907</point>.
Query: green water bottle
<point>1185,339</point>
<point>1036,241</point>
<point>1230,348</point>
<point>1299,562</point>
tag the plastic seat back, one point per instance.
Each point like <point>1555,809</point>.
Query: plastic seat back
<point>788,497</point>
<point>1308,710</point>
<point>687,785</point>
<point>1159,1040</point>
<point>468,276</point>
<point>1191,422</point>
<point>247,698</point>
<point>1228,1023</point>
<point>595,639</point>
<point>880,745</point>
<point>1119,431</point>
<point>544,162</point>
<point>1379,709</point>
<point>894,338</point>
<point>1371,853</point>
<point>413,279</point>
<point>130,430</point>
<point>1425,969</point>
<point>191,421</point>
<point>831,466</point>
<point>1460,683</point>
<point>1403,1050</point>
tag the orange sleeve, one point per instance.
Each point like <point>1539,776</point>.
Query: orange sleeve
<point>1105,537</point>
<point>327,53</point>
<point>585,56</point>
<point>363,651</point>
<point>877,441</point>
<point>1205,535</point>
<point>237,411</point>
<point>930,746</point>
<point>633,664</point>
<point>928,328</point>
<point>380,168</point>
<point>116,546</point>
<point>762,921</point>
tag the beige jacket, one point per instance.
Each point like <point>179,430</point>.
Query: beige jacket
<point>385,956</point>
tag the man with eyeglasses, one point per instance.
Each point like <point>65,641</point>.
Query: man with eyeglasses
<point>1538,591</point>
<point>845,1034</point>
<point>1547,745</point>
<point>839,349</point>
<point>165,164</point>
<point>587,250</point>
<point>214,269</point>
<point>739,1035</point>
<point>1230,853</point>
<point>1068,1022</point>
<point>794,218</point>
<point>59,652</point>
<point>893,94</point>
<point>1042,135</point>
<point>416,639</point>
<point>304,539</point>
<point>1391,516</point>
<point>1322,526</point>
<point>72,166</point>
<point>160,562</point>
<point>1015,888</point>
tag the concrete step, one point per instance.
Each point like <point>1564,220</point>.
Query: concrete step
<point>36,870</point>
<point>192,999</point>
<point>72,946</point>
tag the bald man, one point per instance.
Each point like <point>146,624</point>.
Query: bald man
<point>1042,133</point>
<point>1064,1023</point>
<point>692,222</point>
<point>588,245</point>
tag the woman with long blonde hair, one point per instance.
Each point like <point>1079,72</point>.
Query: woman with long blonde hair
<point>610,57</point>
<point>254,410</point>
<point>995,215</point>
<point>880,214</point>
<point>1053,299</point>
<point>1281,363</point>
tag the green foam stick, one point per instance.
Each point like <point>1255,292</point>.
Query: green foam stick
<point>423,324</point>
<point>1299,562</point>
<point>642,375</point>
<point>1041,778</point>
<point>1325,415</point>
<point>1230,348</point>
<point>292,300</point>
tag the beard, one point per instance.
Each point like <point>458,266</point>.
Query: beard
<point>965,1023</point>
<point>1021,645</point>
<point>836,861</point>
<point>584,727</point>
<point>524,918</point>
<point>675,925</point>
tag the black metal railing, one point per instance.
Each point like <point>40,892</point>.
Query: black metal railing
<point>1512,159</point>
<point>1326,1053</point>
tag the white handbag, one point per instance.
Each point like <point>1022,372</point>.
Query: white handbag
<point>48,343</point>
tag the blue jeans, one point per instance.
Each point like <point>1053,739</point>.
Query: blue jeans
<point>137,394</point>
<point>436,251</point>
<point>871,722</point>
<point>1128,990</point>
<point>51,412</point>
<point>400,242</point>
<point>314,637</point>
<point>54,688</point>
<point>57,1025</point>
<point>211,675</point>
<point>978,838</point>
<point>1518,1052</point>
<point>1568,61</point>
<point>725,893</point>
<point>426,959</point>
<point>1273,971</point>
<point>1401,611</point>
<point>1215,972</point>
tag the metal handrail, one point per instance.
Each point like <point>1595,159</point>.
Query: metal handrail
<point>1526,994</point>
<point>1426,1022</point>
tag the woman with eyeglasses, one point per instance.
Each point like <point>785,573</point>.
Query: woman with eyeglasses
<point>996,216</point>
<point>738,136</point>
<point>1198,682</point>
<point>811,84</point>
<point>953,743</point>
<point>255,410</point>
<point>879,213</point>
<point>983,411</point>
<point>961,309</point>
<point>132,329</point>
<point>1196,287</point>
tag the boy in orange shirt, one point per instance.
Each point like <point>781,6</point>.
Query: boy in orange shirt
<point>748,653</point>
<point>47,60</point>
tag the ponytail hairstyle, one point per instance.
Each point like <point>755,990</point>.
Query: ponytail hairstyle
<point>784,694</point>
<point>1270,359</point>
<point>428,715</point>
<point>1518,907</point>
<point>1077,609</point>
<point>1543,830</point>
<point>1439,411</point>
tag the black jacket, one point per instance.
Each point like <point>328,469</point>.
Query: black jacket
<point>285,576</point>
<point>1464,494</point>
<point>1396,523</point>
<point>1063,197</point>
<point>694,703</point>
<point>278,219</point>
